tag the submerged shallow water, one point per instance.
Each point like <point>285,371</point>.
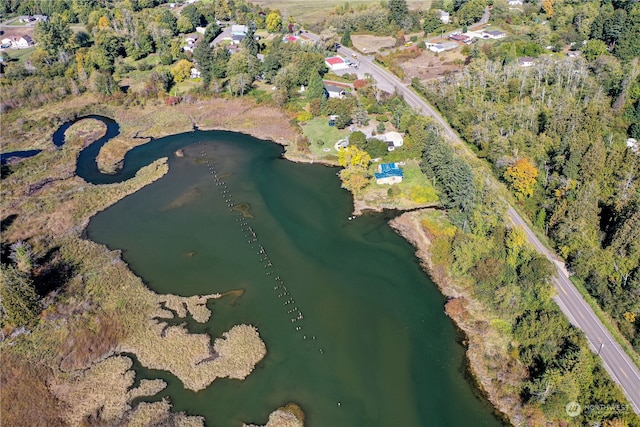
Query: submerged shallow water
<point>373,347</point>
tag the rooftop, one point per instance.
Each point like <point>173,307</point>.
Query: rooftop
<point>388,170</point>
<point>333,60</point>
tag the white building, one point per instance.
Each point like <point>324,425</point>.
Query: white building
<point>494,34</point>
<point>336,63</point>
<point>442,47</point>
<point>525,61</point>
<point>239,30</point>
<point>23,42</point>
<point>444,16</point>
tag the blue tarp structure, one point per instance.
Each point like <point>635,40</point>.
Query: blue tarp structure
<point>388,170</point>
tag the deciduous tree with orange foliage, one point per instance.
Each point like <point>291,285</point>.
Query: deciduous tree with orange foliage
<point>522,177</point>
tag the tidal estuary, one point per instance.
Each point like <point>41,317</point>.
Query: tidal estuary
<point>355,331</point>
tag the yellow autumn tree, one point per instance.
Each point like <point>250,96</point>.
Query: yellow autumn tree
<point>547,6</point>
<point>103,23</point>
<point>522,176</point>
<point>273,22</point>
<point>355,162</point>
<point>182,70</point>
<point>515,241</point>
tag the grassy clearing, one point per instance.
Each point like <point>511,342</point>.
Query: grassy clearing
<point>415,191</point>
<point>21,55</point>
<point>32,128</point>
<point>312,12</point>
<point>318,130</point>
<point>371,44</point>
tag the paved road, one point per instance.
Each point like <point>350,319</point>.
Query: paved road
<point>615,360</point>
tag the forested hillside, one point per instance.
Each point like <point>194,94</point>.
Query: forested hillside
<point>557,134</point>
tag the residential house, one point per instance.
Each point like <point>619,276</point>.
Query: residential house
<point>24,41</point>
<point>461,38</point>
<point>494,34</point>
<point>237,38</point>
<point>394,140</point>
<point>336,63</point>
<point>442,47</point>
<point>238,30</point>
<point>389,173</point>
<point>444,16</point>
<point>526,61</point>
<point>190,43</point>
<point>332,90</point>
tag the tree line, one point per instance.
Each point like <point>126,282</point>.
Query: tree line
<point>557,134</point>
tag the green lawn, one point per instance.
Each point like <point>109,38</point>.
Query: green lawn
<point>319,130</point>
<point>414,191</point>
<point>21,54</point>
<point>415,186</point>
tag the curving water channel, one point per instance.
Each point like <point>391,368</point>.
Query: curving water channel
<point>355,331</point>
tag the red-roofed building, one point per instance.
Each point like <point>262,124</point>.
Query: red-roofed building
<point>336,63</point>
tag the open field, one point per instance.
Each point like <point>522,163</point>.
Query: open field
<point>429,65</point>
<point>371,44</point>
<point>305,11</point>
<point>20,54</point>
<point>322,136</point>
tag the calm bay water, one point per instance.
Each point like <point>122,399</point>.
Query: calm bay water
<point>379,350</point>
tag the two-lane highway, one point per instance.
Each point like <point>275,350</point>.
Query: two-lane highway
<point>580,314</point>
<point>615,360</point>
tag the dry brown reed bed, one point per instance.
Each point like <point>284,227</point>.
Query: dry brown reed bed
<point>85,394</point>
<point>191,358</point>
<point>158,414</point>
<point>195,305</point>
<point>103,309</point>
<point>32,128</point>
<point>290,415</point>
<point>156,120</point>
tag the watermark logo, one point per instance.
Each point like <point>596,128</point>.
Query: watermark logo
<point>573,409</point>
